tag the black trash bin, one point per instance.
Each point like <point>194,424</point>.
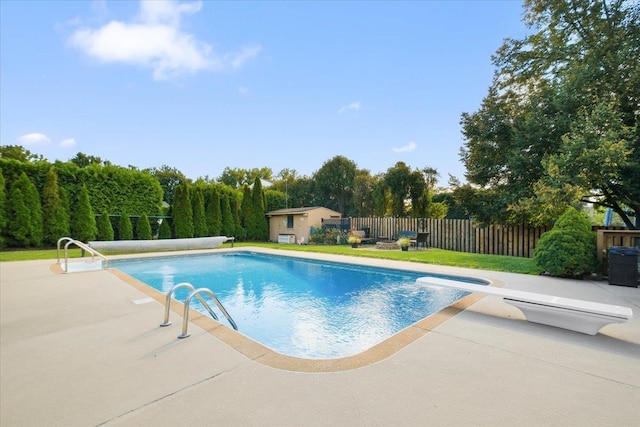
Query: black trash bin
<point>623,265</point>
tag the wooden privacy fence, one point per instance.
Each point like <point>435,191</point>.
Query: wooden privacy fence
<point>459,234</point>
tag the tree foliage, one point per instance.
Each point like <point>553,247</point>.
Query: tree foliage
<point>55,218</point>
<point>213,213</point>
<point>104,227</point>
<point>200,228</point>
<point>3,211</point>
<point>125,227</point>
<point>560,123</point>
<point>143,228</point>
<point>569,249</point>
<point>333,183</point>
<point>24,213</point>
<point>182,213</point>
<point>83,224</point>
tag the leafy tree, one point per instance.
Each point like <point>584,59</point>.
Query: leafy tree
<point>334,184</point>
<point>399,181</point>
<point>169,178</point>
<point>560,124</point>
<point>83,160</point>
<point>19,153</point>
<point>125,227</point>
<point>363,186</point>
<point>105,228</point>
<point>213,213</point>
<point>199,220</point>
<point>143,228</point>
<point>569,249</point>
<point>182,213</point>
<point>54,214</point>
<point>83,224</point>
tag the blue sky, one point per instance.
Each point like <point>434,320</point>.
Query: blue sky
<point>201,86</point>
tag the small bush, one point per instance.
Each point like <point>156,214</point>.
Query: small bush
<point>569,249</point>
<point>143,228</point>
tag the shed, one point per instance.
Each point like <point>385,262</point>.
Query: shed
<point>293,224</point>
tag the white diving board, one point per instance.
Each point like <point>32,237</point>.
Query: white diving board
<point>582,316</point>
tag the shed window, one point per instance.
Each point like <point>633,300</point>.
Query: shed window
<point>289,221</point>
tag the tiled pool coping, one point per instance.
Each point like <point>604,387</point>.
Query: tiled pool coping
<point>266,356</point>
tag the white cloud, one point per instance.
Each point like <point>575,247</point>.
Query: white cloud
<point>155,40</point>
<point>355,106</point>
<point>69,142</point>
<point>34,139</point>
<point>407,148</point>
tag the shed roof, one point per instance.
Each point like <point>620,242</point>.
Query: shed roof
<point>291,211</point>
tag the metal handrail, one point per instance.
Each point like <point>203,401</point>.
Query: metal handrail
<point>167,304</point>
<point>71,241</point>
<point>187,302</point>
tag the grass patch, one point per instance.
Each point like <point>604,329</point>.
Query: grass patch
<point>431,256</point>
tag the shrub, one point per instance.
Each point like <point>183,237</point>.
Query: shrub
<point>83,226</point>
<point>105,228</point>
<point>125,228</point>
<point>569,249</point>
<point>143,228</point>
<point>165,230</point>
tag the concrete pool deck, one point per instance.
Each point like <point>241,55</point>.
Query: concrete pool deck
<point>85,349</point>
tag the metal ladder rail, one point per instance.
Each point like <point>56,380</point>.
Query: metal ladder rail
<point>187,302</point>
<point>167,304</point>
<point>81,245</point>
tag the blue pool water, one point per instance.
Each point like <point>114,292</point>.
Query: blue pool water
<point>299,307</point>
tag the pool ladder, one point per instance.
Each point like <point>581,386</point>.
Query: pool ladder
<point>187,303</point>
<point>70,241</point>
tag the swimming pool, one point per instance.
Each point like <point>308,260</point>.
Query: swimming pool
<point>302,307</point>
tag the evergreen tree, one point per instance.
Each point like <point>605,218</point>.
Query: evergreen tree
<point>165,230</point>
<point>235,211</point>
<point>3,212</point>
<point>199,219</point>
<point>246,210</point>
<point>125,228</point>
<point>55,216</point>
<point>214,214</point>
<point>18,215</point>
<point>35,208</point>
<point>228,226</point>
<point>83,225</point>
<point>143,228</point>
<point>182,213</point>
<point>257,204</point>
<point>105,228</point>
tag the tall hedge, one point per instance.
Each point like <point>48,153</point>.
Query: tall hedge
<point>246,214</point>
<point>569,248</point>
<point>105,228</point>
<point>55,217</point>
<point>143,228</point>
<point>83,224</point>
<point>182,213</point>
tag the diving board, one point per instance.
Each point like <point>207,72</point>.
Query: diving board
<point>582,316</point>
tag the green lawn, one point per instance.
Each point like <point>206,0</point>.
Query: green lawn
<point>430,256</point>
